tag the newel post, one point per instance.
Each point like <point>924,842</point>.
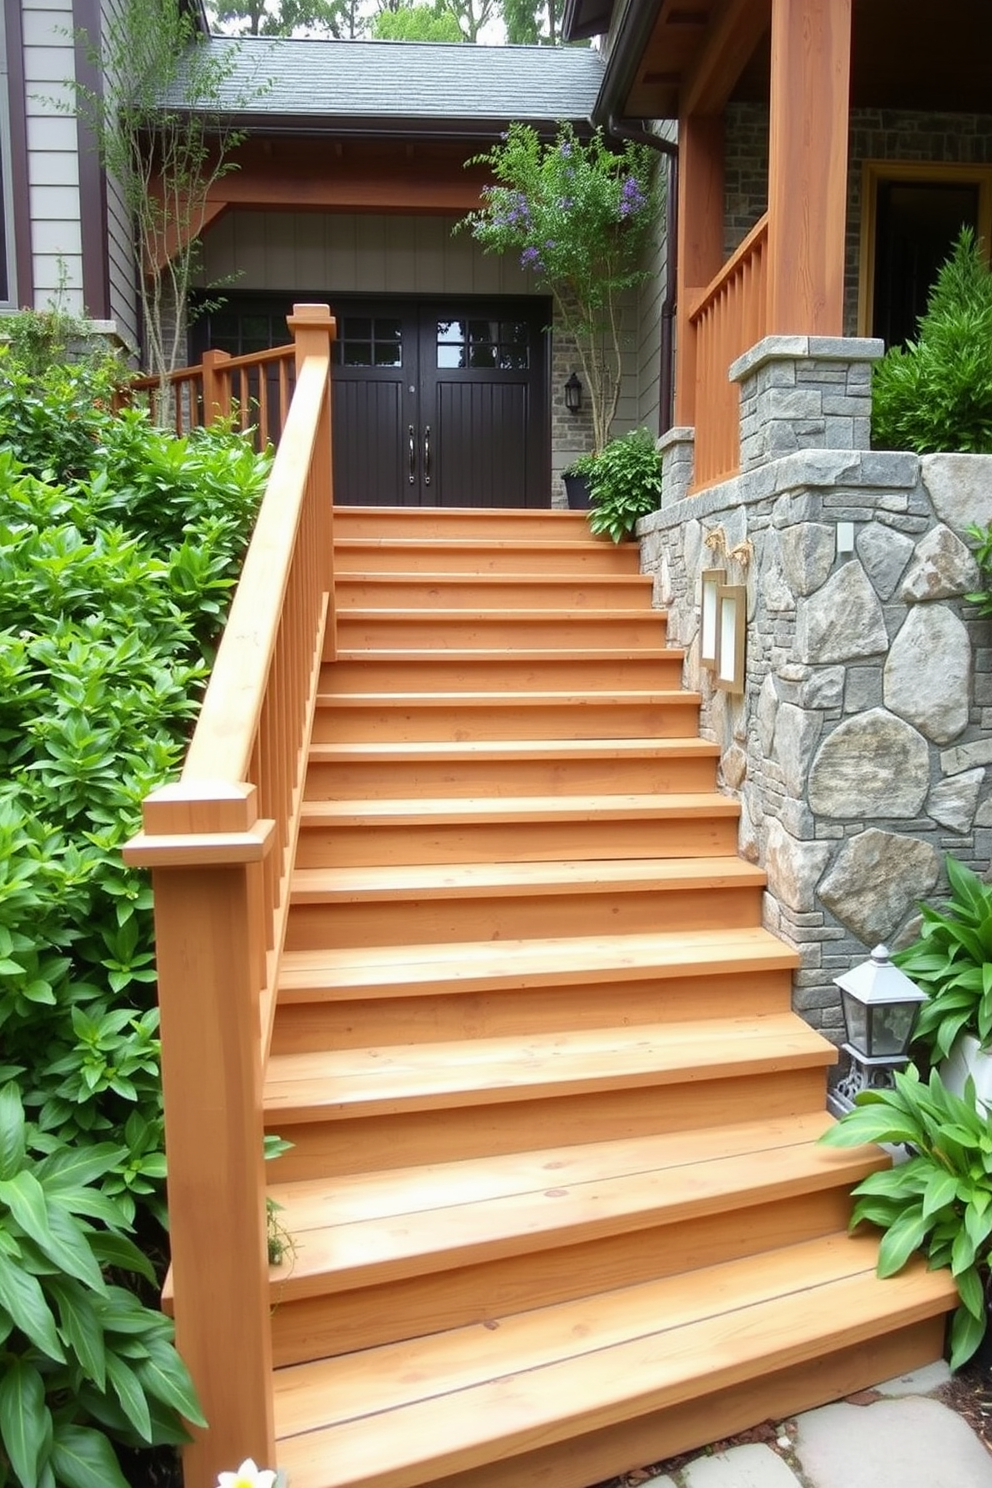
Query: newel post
<point>313,328</point>
<point>205,846</point>
<point>216,386</point>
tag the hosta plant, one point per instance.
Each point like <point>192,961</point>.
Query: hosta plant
<point>940,1200</point>
<point>82,1361</point>
<point>951,960</point>
<point>624,484</point>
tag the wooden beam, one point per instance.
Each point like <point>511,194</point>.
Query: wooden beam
<point>807,171</point>
<point>734,31</point>
<point>700,240</point>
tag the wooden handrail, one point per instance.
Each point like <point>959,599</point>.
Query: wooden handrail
<point>220,843</point>
<point>728,317</point>
<point>221,385</point>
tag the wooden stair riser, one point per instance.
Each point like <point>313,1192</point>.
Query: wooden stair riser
<point>324,1148</point>
<point>393,776</point>
<point>417,720</point>
<point>564,593</point>
<point>337,1322</point>
<point>575,673</point>
<point>511,556</point>
<point>471,630</point>
<point>464,524</point>
<point>368,843</point>
<point>313,926</point>
<point>593,1457</point>
<point>358,1023</point>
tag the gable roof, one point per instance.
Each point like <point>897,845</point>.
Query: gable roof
<point>375,87</point>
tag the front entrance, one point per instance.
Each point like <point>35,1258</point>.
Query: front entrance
<point>437,402</point>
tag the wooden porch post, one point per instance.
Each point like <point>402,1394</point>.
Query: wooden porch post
<point>313,328</point>
<point>807,167</point>
<point>205,846</point>
<point>700,241</point>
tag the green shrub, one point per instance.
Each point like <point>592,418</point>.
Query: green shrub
<point>624,483</point>
<point>936,394</point>
<point>119,549</point>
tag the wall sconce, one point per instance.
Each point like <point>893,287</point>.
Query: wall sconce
<point>880,1005</point>
<point>731,637</point>
<point>573,394</point>
<point>713,580</point>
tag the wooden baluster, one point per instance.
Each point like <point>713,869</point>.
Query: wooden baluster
<point>216,386</point>
<point>206,846</point>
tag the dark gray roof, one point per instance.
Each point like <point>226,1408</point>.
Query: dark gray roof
<point>330,84</point>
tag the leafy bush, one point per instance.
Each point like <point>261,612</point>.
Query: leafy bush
<point>940,1201</point>
<point>936,394</point>
<point>951,960</point>
<point>624,483</point>
<point>119,547</point>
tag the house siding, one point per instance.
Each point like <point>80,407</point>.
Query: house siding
<point>53,164</point>
<point>121,286</point>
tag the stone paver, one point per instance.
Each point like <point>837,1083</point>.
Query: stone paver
<point>912,1442</point>
<point>925,1381</point>
<point>751,1466</point>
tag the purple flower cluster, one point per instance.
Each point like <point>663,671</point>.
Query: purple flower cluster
<point>530,259</point>
<point>632,198</point>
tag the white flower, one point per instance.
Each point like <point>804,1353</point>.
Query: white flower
<point>247,1476</point>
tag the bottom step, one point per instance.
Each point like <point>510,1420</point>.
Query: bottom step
<point>634,1374</point>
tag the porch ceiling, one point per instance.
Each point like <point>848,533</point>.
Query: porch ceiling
<point>905,54</point>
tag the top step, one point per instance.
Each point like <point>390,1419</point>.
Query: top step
<point>482,554</point>
<point>481,523</point>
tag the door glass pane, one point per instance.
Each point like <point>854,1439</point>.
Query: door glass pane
<point>368,342</point>
<point>357,353</point>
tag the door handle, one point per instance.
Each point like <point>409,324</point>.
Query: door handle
<point>411,435</point>
<point>427,455</point>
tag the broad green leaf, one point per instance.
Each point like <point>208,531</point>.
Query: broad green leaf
<point>962,1252</point>
<point>22,1297</point>
<point>967,1332</point>
<point>118,1250</point>
<point>905,1236</point>
<point>68,1244</point>
<point>25,1421</point>
<point>130,1394</point>
<point>164,1375</point>
<point>74,1167</point>
<point>11,1131</point>
<point>83,1458</point>
<point>80,1326</point>
<point>940,1190</point>
<point>971,1291</point>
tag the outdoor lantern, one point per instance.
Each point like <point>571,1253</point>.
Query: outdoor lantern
<point>573,394</point>
<point>713,580</point>
<point>880,1005</point>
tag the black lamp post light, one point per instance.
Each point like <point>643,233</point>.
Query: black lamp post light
<point>573,394</point>
<point>880,1004</point>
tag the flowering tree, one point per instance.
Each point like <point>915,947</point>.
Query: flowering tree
<point>579,215</point>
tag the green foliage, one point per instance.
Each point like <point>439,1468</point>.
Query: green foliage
<point>578,216</point>
<point>119,548</point>
<point>951,960</point>
<point>416,23</point>
<point>624,483</point>
<point>940,1201</point>
<point>982,539</point>
<point>936,394</point>
<point>82,1358</point>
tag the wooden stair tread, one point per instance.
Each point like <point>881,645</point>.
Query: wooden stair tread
<point>417,545</point>
<point>483,965</point>
<point>361,1082</point>
<point>418,810</point>
<point>493,580</point>
<point>460,880</point>
<point>515,749</point>
<point>513,615</point>
<point>378,1227</point>
<point>376,654</point>
<point>407,1413</point>
<point>450,701</point>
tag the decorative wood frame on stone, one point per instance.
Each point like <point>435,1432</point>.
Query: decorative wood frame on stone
<point>731,637</point>
<point>712,581</point>
<point>927,172</point>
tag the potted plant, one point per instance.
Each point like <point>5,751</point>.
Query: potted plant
<point>578,214</point>
<point>939,1201</point>
<point>951,960</point>
<point>578,482</point>
<point>624,483</point>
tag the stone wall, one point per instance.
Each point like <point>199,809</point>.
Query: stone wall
<point>861,748</point>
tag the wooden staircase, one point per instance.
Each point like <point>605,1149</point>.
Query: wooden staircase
<point>554,1191</point>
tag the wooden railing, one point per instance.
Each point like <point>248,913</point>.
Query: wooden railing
<point>220,844</point>
<point>729,317</point>
<point>254,389</point>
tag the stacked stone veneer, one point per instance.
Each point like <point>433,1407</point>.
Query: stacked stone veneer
<point>860,750</point>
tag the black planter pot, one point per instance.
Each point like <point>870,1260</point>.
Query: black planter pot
<point>577,490</point>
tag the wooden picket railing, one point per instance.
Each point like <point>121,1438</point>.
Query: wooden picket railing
<point>220,843</point>
<point>728,319</point>
<point>254,389</point>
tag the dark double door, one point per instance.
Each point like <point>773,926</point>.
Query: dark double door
<point>441,403</point>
